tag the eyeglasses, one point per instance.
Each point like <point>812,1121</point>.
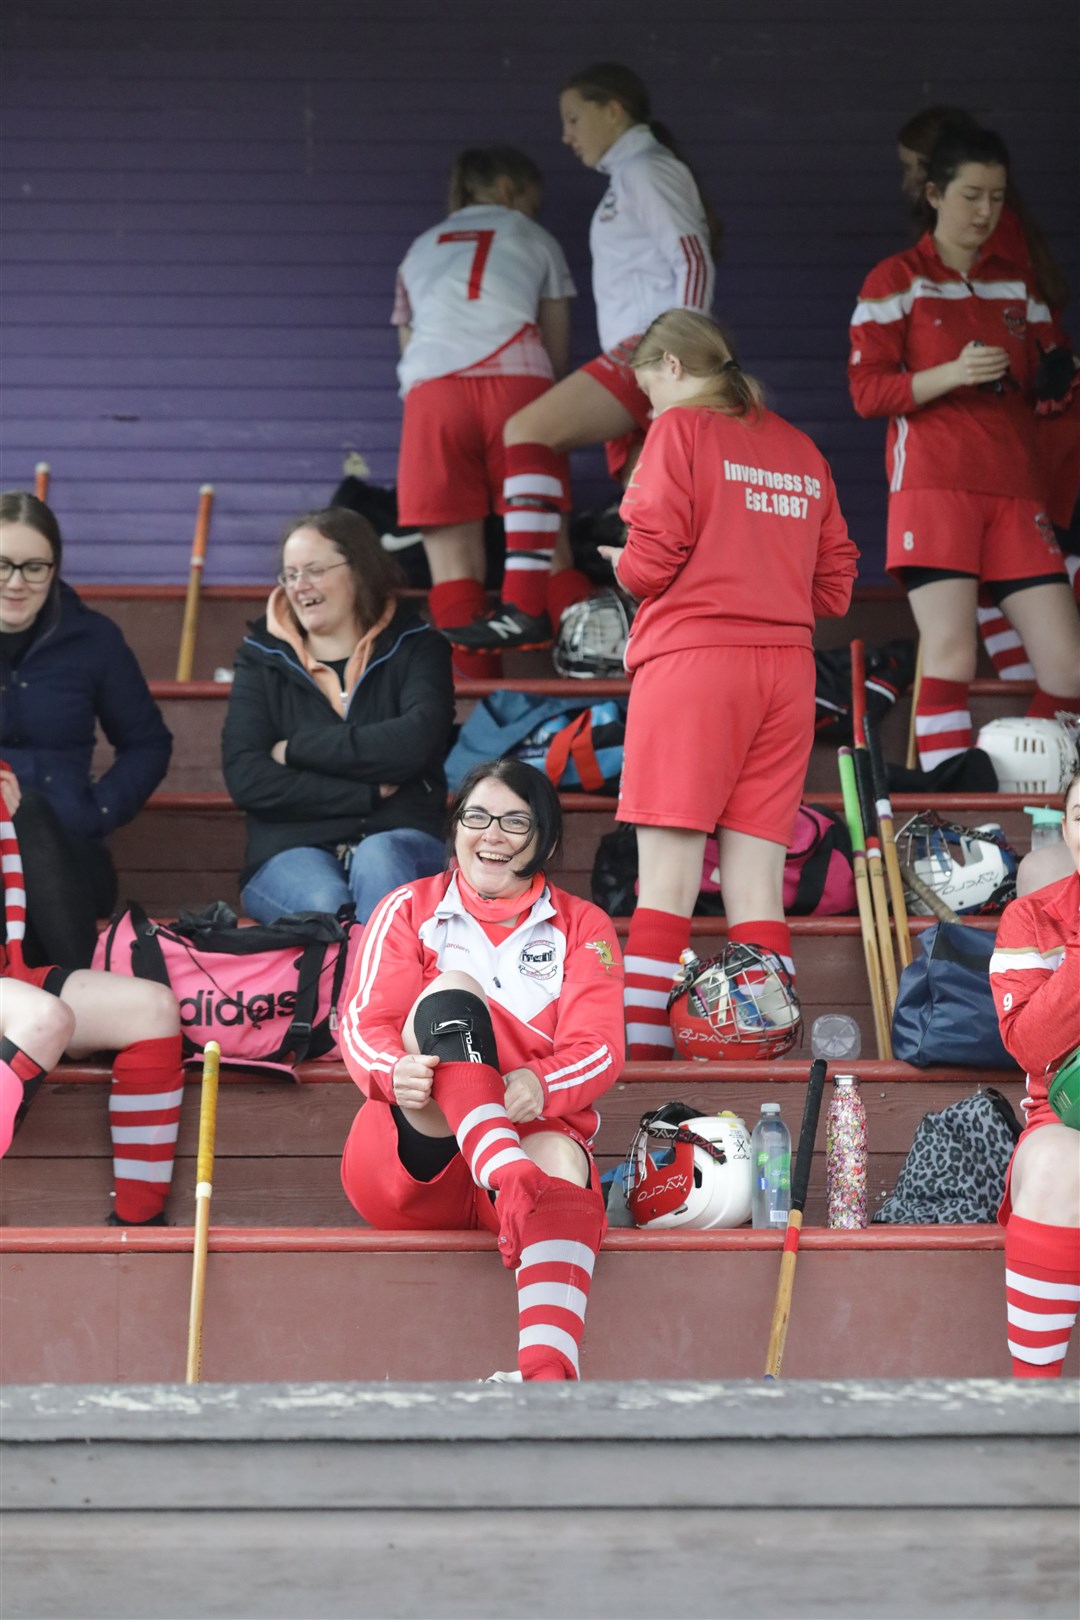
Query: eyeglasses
<point>515,822</point>
<point>35,571</point>
<point>313,573</point>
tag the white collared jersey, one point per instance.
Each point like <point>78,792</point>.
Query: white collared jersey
<point>649,239</point>
<point>554,986</point>
<point>471,286</point>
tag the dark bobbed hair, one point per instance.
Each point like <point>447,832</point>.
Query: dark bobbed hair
<point>530,785</point>
<point>958,144</point>
<point>477,169</point>
<point>19,506</point>
<point>376,576</point>
<point>921,131</point>
<point>602,82</point>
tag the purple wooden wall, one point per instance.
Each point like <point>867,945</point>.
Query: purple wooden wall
<point>205,201</point>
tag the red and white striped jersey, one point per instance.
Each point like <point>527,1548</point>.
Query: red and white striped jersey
<point>914,313</point>
<point>649,239</point>
<point>1035,977</point>
<point>470,287</point>
<point>554,986</point>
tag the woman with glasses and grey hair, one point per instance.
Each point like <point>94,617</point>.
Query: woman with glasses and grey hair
<point>338,723</point>
<point>65,673</point>
<point>482,1023</point>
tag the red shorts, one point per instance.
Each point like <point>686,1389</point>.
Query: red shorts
<point>380,1188</point>
<point>993,537</point>
<point>451,463</point>
<point>719,737</point>
<point>44,978</point>
<point>613,372</point>
<point>1037,1116</point>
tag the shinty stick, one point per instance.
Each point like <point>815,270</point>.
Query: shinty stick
<point>204,1189</point>
<point>800,1183</point>
<point>887,828</point>
<point>866,910</point>
<point>41,480</point>
<point>186,655</point>
<point>868,811</point>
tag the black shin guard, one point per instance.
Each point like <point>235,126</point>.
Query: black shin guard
<point>455,1026</point>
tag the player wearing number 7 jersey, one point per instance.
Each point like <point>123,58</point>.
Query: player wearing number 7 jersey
<point>736,544</point>
<point>652,241</point>
<point>482,315</point>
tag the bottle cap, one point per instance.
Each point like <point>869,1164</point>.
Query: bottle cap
<point>770,1108</point>
<point>846,1080</point>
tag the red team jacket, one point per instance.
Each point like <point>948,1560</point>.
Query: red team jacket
<point>1035,977</point>
<point>914,313</point>
<point>736,537</point>
<point>554,986</point>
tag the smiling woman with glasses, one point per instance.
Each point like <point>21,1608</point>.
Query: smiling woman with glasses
<point>338,723</point>
<point>483,1022</point>
<point>66,673</point>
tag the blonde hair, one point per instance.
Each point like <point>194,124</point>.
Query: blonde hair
<point>700,344</point>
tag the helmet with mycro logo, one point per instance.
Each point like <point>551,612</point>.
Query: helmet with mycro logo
<point>688,1169</point>
<point>970,868</point>
<point>1029,755</point>
<point>592,636</point>
<point>738,1006</point>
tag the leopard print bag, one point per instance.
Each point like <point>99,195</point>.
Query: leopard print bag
<point>955,1171</point>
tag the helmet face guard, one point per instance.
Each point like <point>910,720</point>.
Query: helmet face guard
<point>740,1005</point>
<point>592,637</point>
<point>1031,754</point>
<point>685,1169</point>
<point>973,869</point>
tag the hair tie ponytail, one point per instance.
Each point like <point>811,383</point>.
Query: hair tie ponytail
<point>731,365</point>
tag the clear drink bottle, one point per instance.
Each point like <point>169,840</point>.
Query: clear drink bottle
<point>845,1154</point>
<point>770,1154</point>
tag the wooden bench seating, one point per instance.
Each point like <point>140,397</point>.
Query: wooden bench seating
<point>279,1143</point>
<point>150,616</point>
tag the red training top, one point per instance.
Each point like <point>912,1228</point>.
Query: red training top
<point>736,536</point>
<point>554,985</point>
<point>1035,977</point>
<point>914,313</point>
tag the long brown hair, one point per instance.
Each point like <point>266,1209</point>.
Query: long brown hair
<point>476,170</point>
<point>376,576</point>
<point>700,343</point>
<point>602,82</point>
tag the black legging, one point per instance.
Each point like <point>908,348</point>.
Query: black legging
<point>70,884</point>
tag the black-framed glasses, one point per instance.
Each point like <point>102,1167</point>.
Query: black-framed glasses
<point>313,574</point>
<point>35,571</point>
<point>515,822</point>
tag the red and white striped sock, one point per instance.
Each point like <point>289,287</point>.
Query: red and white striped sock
<point>144,1119</point>
<point>1007,652</point>
<point>461,601</point>
<point>1045,705</point>
<point>534,490</point>
<point>1042,1292</point>
<point>652,966</point>
<point>942,720</point>
<point>565,588</point>
<point>471,1097</point>
<point>14,887</point>
<point>17,1070</point>
<point>562,1237</point>
<point>768,936</point>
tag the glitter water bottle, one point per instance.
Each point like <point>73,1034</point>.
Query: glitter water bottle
<point>845,1154</point>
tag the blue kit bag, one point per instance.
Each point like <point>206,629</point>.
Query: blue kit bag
<point>945,1011</point>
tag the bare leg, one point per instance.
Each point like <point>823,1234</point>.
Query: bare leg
<point>38,1023</point>
<point>1045,1184</point>
<point>945,615</point>
<point>111,1011</point>
<point>576,412</point>
<point>455,551</point>
<point>751,877</point>
<point>1046,620</point>
<point>669,868</point>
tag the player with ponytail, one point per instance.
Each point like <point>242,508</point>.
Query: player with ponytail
<point>653,240</point>
<point>736,544</point>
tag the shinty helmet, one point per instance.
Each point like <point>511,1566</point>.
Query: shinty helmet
<point>687,1169</point>
<point>592,636</point>
<point>973,869</point>
<point>1030,754</point>
<point>738,1006</point>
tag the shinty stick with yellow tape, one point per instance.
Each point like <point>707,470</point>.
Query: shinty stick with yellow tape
<point>203,1192</point>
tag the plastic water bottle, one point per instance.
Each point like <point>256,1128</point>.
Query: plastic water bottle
<point>845,1155</point>
<point>770,1152</point>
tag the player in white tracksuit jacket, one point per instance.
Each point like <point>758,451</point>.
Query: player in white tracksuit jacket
<point>651,242</point>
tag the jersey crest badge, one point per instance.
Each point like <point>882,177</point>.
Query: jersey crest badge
<point>1015,321</point>
<point>538,960</point>
<point>608,208</point>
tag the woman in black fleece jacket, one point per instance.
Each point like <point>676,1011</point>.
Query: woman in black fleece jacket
<point>338,723</point>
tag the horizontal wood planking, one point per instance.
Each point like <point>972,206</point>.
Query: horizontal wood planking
<point>226,197</point>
